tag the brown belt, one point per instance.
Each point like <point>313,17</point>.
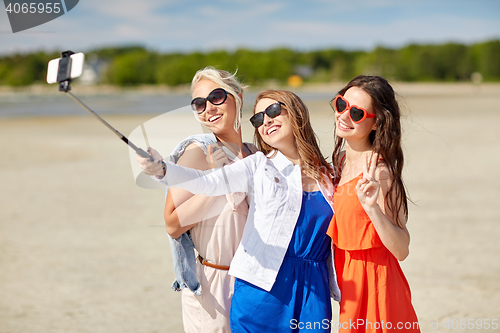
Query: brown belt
<point>209,264</point>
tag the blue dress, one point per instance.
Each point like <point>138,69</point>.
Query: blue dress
<point>300,296</point>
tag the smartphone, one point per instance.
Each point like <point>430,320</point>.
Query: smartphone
<point>62,69</point>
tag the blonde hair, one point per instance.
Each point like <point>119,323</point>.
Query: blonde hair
<point>228,82</point>
<point>312,161</point>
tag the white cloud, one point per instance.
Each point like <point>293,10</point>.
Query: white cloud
<point>356,5</point>
<point>127,10</point>
<point>397,33</point>
<point>166,25</point>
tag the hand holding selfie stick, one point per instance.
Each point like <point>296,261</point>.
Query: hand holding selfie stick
<point>65,73</point>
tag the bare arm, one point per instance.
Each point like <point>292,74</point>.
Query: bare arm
<point>372,189</point>
<point>189,212</point>
<point>182,208</point>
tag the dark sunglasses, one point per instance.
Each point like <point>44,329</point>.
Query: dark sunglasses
<point>216,97</point>
<point>272,111</point>
<point>357,114</point>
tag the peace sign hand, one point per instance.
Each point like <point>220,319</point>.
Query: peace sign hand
<point>368,187</point>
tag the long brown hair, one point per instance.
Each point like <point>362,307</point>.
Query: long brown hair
<point>312,160</point>
<point>386,139</point>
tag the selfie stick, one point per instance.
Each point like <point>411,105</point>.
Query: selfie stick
<point>64,85</point>
<point>138,150</point>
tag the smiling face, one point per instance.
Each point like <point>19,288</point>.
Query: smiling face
<point>276,132</point>
<point>218,118</point>
<point>345,127</point>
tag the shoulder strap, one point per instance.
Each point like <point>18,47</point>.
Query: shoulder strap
<point>342,162</point>
<point>250,147</point>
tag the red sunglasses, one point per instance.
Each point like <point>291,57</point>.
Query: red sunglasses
<point>357,114</point>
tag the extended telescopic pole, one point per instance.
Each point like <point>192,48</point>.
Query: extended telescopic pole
<point>138,150</point>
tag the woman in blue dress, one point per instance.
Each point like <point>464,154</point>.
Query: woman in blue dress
<point>283,265</point>
<point>300,297</point>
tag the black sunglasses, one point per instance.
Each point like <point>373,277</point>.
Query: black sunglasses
<point>272,111</point>
<point>216,97</point>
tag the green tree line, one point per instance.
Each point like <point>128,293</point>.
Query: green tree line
<point>135,65</point>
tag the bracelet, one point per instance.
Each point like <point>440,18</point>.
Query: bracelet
<point>164,167</point>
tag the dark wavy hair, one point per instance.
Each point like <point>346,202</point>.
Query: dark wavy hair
<point>386,139</point>
<point>313,162</point>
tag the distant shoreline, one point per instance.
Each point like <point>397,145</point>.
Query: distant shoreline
<point>405,88</point>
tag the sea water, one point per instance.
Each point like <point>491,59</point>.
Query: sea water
<point>129,103</point>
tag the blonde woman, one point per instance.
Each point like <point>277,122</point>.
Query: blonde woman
<point>214,225</point>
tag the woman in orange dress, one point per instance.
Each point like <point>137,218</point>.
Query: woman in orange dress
<point>369,226</point>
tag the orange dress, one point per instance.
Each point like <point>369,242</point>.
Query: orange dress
<point>375,296</point>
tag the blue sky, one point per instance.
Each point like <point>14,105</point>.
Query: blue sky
<point>169,26</point>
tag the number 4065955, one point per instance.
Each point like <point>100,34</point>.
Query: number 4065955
<point>471,324</point>
<point>33,8</point>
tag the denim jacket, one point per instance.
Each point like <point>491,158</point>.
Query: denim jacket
<point>182,247</point>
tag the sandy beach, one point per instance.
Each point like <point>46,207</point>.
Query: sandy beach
<point>84,249</point>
